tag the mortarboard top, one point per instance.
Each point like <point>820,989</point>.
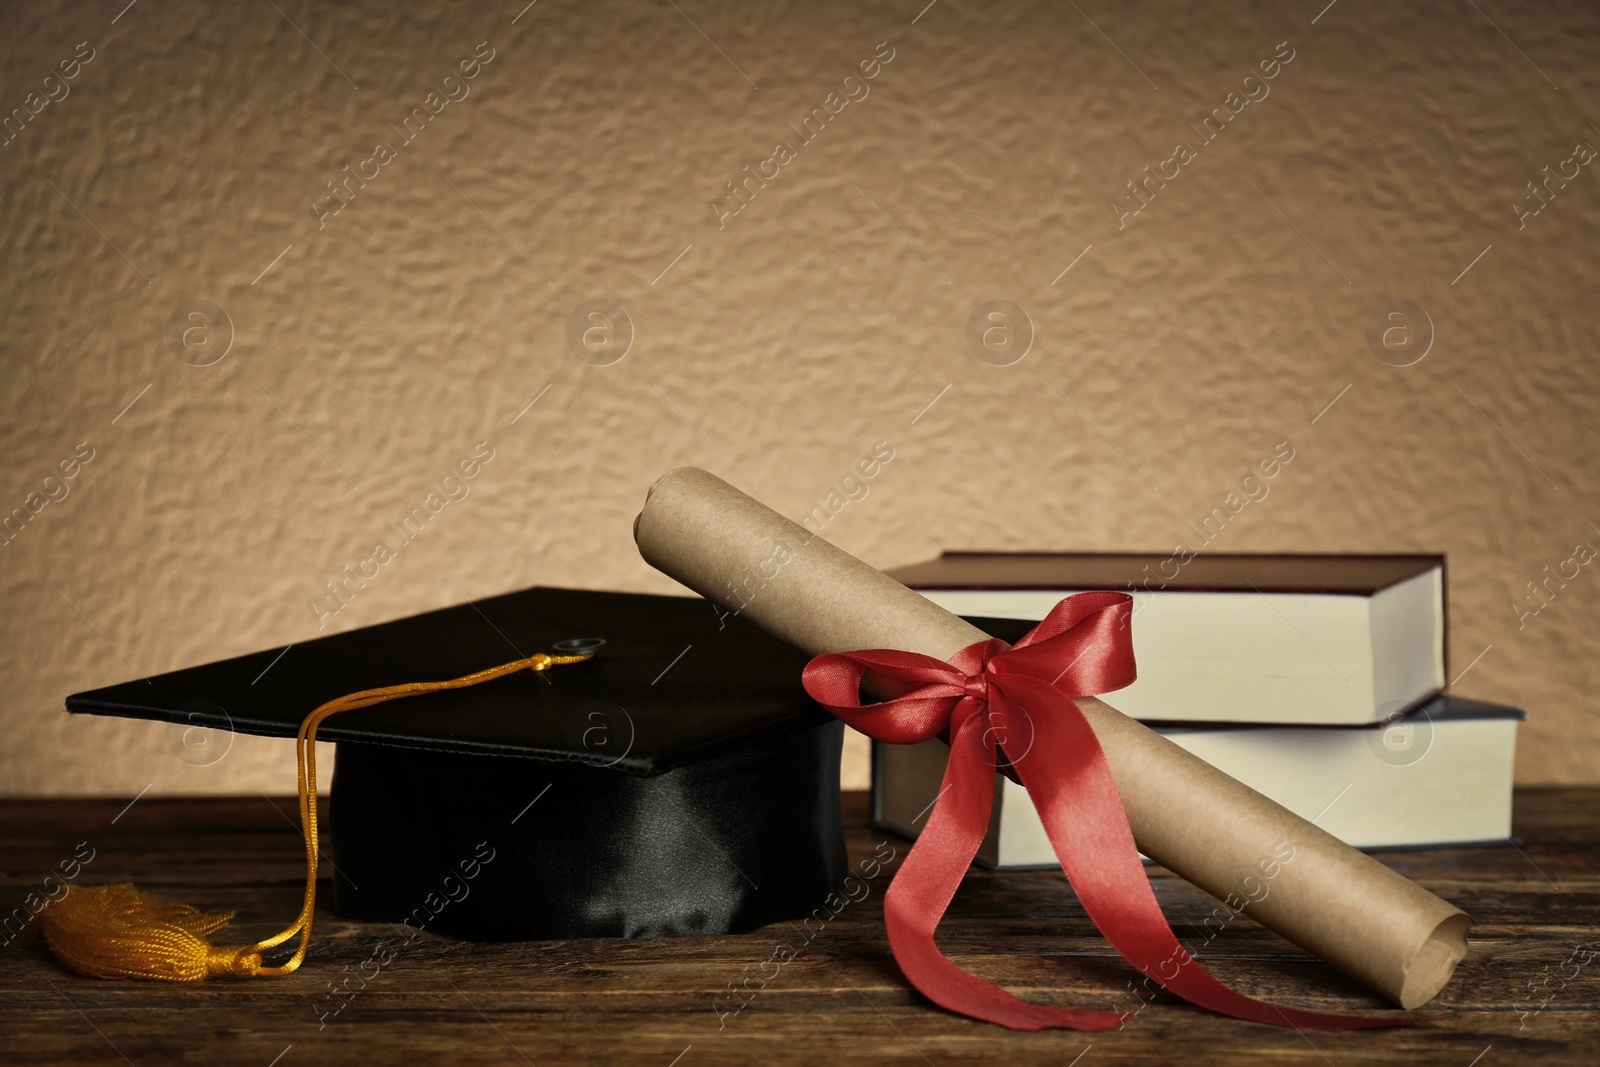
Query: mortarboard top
<point>680,782</point>
<point>694,681</point>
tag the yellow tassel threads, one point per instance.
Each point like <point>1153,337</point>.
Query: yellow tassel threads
<point>118,931</point>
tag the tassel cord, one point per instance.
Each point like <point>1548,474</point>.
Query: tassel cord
<point>120,932</point>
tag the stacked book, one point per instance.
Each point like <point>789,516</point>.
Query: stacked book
<point>1318,681</point>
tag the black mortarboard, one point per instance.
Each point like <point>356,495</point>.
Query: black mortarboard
<point>680,782</point>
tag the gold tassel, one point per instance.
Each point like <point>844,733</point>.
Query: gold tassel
<point>117,931</point>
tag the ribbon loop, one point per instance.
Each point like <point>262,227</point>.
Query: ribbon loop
<point>1012,708</point>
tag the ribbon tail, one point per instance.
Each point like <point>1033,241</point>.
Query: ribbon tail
<point>1067,776</point>
<point>926,882</point>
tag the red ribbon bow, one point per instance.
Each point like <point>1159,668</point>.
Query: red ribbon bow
<point>1012,707</point>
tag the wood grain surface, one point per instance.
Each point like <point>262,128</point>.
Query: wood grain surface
<point>827,993</point>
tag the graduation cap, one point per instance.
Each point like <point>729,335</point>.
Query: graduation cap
<point>632,766</point>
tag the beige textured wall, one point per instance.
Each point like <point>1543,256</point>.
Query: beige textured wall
<point>384,342</point>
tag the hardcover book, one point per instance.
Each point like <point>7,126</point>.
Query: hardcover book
<point>1296,639</point>
<point>1438,776</point>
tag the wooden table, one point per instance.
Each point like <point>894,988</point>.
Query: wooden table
<point>1527,992</point>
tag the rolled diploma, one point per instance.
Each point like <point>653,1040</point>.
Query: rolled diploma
<point>1335,902</point>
